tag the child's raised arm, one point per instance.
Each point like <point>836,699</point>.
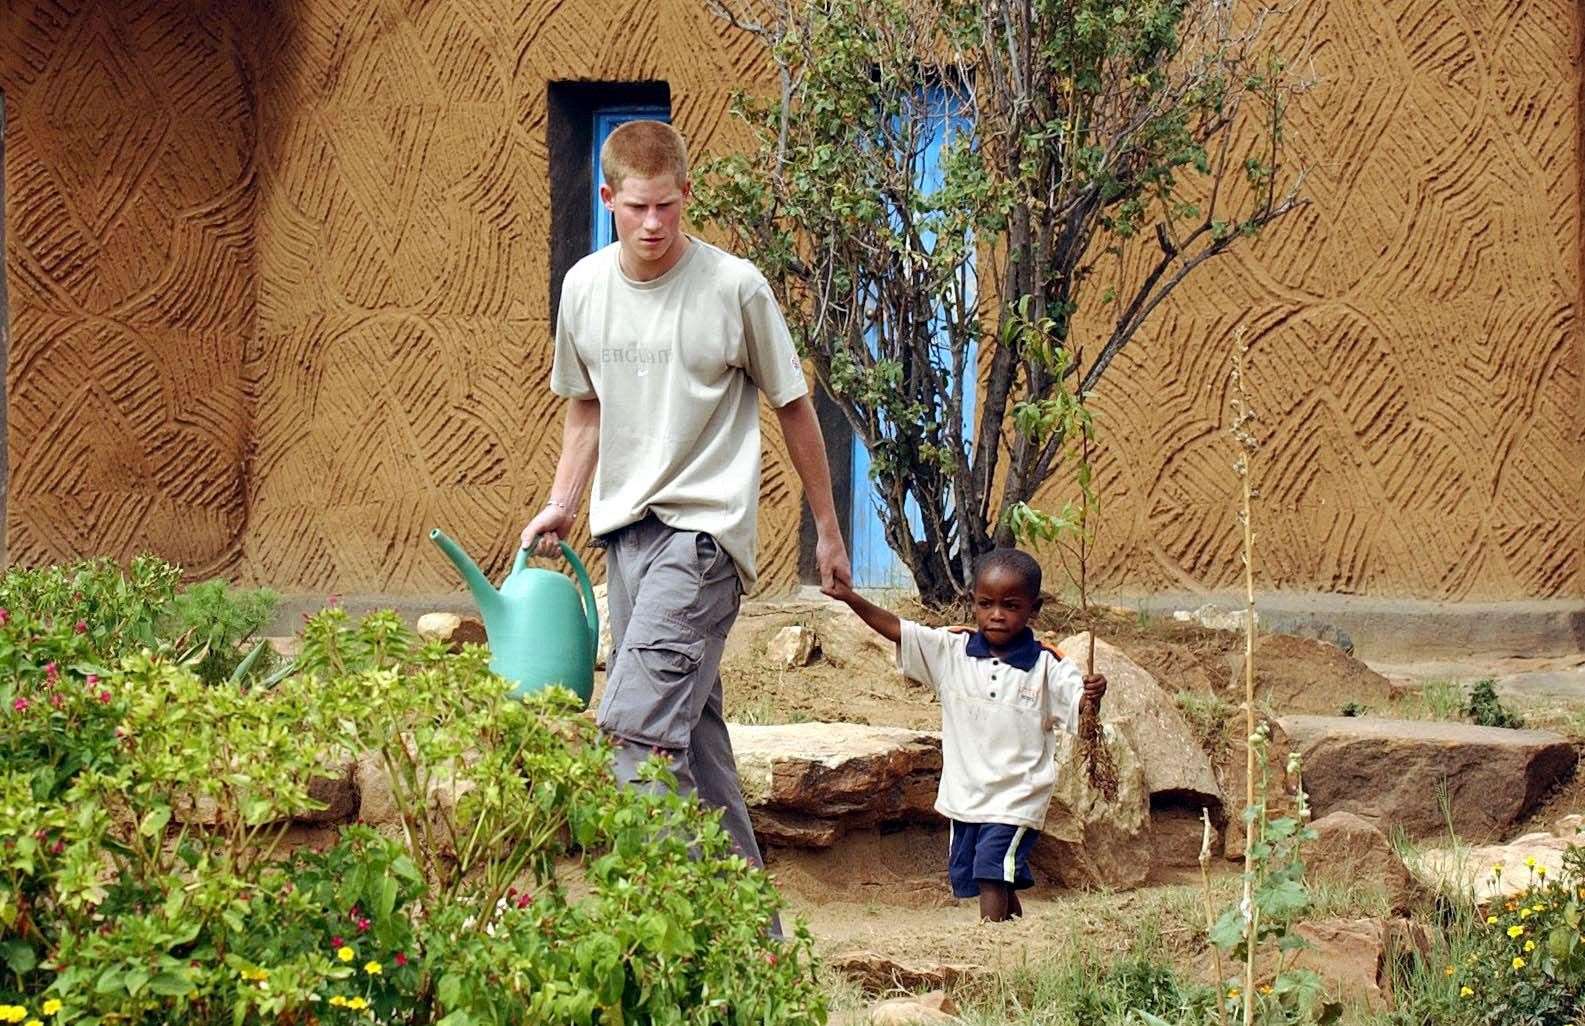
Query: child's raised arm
<point>882,621</point>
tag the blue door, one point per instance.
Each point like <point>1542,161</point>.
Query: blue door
<point>602,229</point>
<point>875,564</point>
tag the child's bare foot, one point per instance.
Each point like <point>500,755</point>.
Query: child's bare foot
<point>998,902</point>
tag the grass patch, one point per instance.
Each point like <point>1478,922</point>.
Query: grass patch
<point>1207,716</point>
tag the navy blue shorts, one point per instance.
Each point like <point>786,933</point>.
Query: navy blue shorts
<point>994,852</point>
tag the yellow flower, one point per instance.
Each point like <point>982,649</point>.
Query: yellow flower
<point>338,1001</point>
<point>372,968</point>
<point>1491,920</point>
<point>357,1004</point>
<point>1525,913</point>
<point>32,1022</point>
<point>1465,992</point>
<point>1496,870</point>
<point>1540,871</point>
<point>1529,860</point>
<point>1529,945</point>
<point>52,1006</point>
<point>12,1013</point>
<point>255,975</point>
<point>1265,988</point>
<point>345,953</point>
<point>1448,971</point>
<point>1518,963</point>
<point>1538,907</point>
<point>1515,931</point>
<point>1232,993</point>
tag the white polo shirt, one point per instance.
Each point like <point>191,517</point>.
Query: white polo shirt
<point>998,753</point>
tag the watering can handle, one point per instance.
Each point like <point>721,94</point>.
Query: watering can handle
<point>591,608</point>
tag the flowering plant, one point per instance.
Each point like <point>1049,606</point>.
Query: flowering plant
<point>152,867</point>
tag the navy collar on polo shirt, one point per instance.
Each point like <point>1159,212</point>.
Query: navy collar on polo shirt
<point>1022,654</point>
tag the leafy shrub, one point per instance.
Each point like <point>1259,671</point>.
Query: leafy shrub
<point>1486,710</point>
<point>147,872</point>
<point>221,619</point>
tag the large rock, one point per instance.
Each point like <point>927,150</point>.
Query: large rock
<point>1355,958</point>
<point>1350,850</point>
<point>1174,763</point>
<point>1088,841</point>
<point>1301,675</point>
<point>904,1011</point>
<point>1392,772</point>
<point>1492,872</point>
<point>808,783</point>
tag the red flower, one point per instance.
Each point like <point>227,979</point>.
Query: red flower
<point>335,941</point>
<point>363,926</point>
<point>5,617</point>
<point>524,899</point>
<point>82,627</point>
<point>20,704</point>
<point>104,697</point>
<point>770,958</point>
<point>401,959</point>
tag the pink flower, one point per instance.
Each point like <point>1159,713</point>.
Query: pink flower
<point>91,679</point>
<point>104,697</point>
<point>56,700</point>
<point>82,627</point>
<point>52,673</point>
<point>363,926</point>
<point>20,704</point>
<point>5,617</point>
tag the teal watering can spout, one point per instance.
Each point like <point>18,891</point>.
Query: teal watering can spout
<point>484,593</point>
<point>540,629</point>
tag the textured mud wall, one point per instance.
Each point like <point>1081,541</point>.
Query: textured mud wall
<point>403,342</point>
<point>1416,362</point>
<point>278,289</point>
<point>128,203</point>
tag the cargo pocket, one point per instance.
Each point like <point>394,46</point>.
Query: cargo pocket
<point>651,696</point>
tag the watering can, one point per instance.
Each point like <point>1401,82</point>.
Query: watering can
<point>539,631</point>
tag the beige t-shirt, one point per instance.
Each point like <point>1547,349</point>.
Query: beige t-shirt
<point>998,754</point>
<point>677,364</point>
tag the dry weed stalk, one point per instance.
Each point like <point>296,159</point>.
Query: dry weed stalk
<point>1098,760</point>
<point>1244,437</point>
<point>1210,908</point>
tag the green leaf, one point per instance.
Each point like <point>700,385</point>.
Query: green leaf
<point>171,984</point>
<point>134,980</point>
<point>155,820</point>
<point>19,955</point>
<point>448,990</point>
<point>1228,932</point>
<point>109,981</point>
<point>385,900</point>
<point>246,666</point>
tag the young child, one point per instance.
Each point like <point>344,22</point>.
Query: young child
<point>1001,694</point>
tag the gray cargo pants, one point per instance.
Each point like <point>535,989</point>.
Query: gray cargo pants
<point>673,597</point>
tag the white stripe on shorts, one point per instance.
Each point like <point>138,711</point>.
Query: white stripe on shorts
<point>1010,860</point>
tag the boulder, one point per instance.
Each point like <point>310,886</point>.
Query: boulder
<point>452,629</point>
<point>808,783</point>
<point>1088,841</point>
<point>924,1008</point>
<point>1570,825</point>
<point>377,804</point>
<point>336,789</point>
<point>1174,763</point>
<point>1214,617</point>
<point>1355,957</point>
<point>877,974</point>
<point>1349,849</point>
<point>1392,772</point>
<point>1301,675</point>
<point>1491,872</point>
<point>792,647</point>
